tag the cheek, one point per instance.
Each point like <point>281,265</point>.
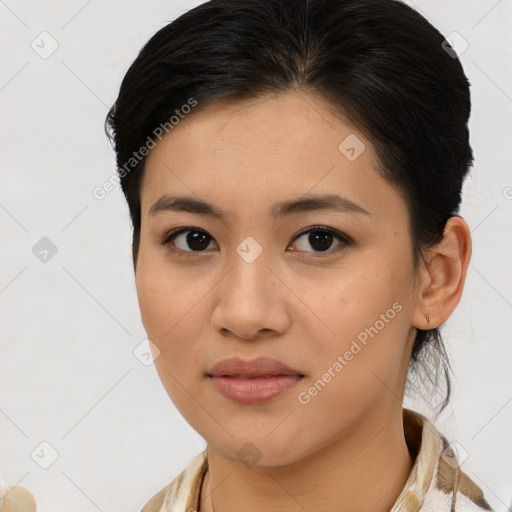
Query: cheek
<point>359,368</point>
<point>173,315</point>
<point>161,311</point>
<point>165,298</point>
<point>171,322</point>
<point>153,303</point>
<point>367,319</point>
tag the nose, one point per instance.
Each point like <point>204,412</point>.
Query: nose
<point>251,300</point>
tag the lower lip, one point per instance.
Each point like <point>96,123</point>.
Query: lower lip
<point>256,390</point>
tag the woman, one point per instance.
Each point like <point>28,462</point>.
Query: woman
<point>293,171</point>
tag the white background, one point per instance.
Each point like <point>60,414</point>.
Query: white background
<point>68,375</point>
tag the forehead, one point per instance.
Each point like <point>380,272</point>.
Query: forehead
<point>262,124</point>
<point>263,149</point>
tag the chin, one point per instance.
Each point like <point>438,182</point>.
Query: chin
<point>259,451</point>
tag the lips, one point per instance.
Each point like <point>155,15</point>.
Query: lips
<point>253,382</point>
<point>254,368</point>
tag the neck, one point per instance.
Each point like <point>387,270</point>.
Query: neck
<point>363,470</point>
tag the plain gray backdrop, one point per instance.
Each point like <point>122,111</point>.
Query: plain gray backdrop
<point>76,394</point>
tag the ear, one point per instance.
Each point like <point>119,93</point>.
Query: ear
<point>442,279</point>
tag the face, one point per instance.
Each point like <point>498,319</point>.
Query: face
<point>326,288</point>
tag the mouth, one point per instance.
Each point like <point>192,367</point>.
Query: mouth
<point>253,381</point>
<point>252,389</point>
<point>242,376</point>
<point>253,368</point>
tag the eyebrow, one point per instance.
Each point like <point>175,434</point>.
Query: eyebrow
<point>278,210</point>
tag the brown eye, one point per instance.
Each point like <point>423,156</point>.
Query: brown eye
<point>189,240</point>
<point>321,239</point>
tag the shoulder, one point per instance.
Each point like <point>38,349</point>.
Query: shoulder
<point>451,482</point>
<point>182,493</point>
<point>156,502</point>
<point>436,482</point>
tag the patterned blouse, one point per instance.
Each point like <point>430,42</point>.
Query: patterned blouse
<point>435,484</point>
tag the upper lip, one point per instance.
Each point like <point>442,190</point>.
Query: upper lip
<point>258,367</point>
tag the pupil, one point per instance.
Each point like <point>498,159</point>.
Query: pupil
<point>197,240</point>
<point>321,239</point>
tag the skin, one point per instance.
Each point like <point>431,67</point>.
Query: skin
<point>294,303</point>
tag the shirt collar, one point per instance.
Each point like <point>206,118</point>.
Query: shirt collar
<point>424,443</point>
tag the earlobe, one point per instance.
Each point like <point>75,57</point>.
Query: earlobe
<point>444,276</point>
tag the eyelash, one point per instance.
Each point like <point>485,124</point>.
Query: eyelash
<point>345,240</point>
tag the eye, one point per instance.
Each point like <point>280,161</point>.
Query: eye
<point>196,239</point>
<point>321,239</point>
